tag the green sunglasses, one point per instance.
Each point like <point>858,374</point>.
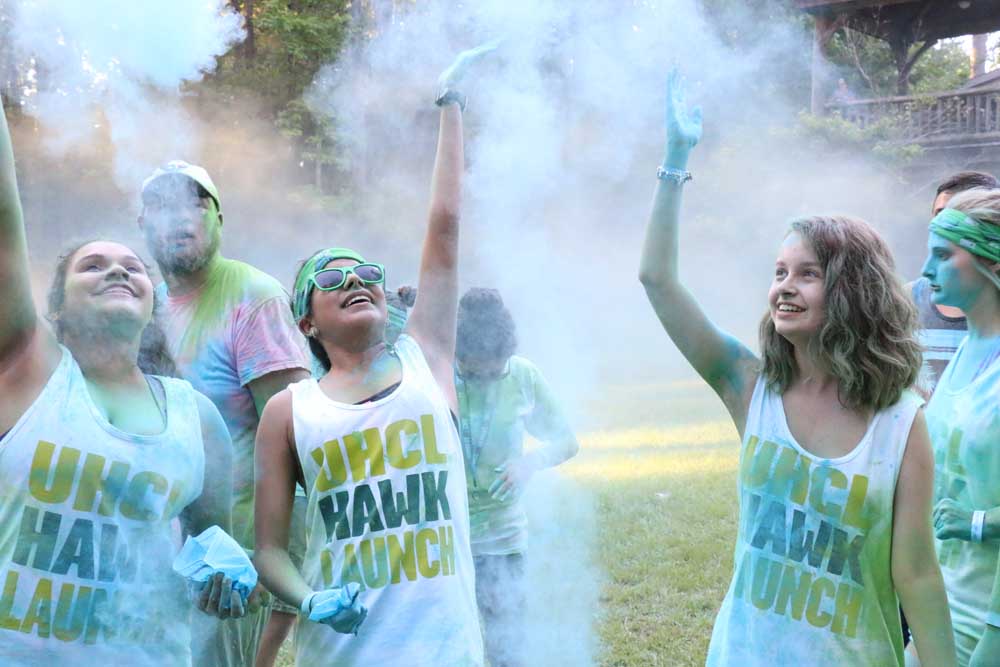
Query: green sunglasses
<point>334,278</point>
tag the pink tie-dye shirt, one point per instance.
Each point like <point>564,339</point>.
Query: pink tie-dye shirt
<point>236,328</point>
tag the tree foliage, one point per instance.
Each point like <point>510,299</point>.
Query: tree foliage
<point>867,64</point>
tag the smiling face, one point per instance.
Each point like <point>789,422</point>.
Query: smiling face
<point>797,296</point>
<point>952,274</point>
<point>352,314</point>
<point>182,224</point>
<point>106,291</point>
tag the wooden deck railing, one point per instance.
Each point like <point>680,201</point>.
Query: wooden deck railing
<point>935,118</point>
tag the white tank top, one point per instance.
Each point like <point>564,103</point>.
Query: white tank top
<point>85,531</point>
<point>387,508</point>
<point>812,583</point>
<point>964,424</point>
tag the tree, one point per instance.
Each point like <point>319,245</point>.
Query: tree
<point>287,43</point>
<point>868,64</point>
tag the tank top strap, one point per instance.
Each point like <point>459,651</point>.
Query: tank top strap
<point>895,424</point>
<point>413,360</point>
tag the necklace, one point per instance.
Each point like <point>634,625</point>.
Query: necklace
<point>473,447</point>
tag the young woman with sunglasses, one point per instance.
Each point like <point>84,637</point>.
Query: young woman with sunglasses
<point>963,418</point>
<point>501,397</point>
<point>835,472</point>
<point>388,564</point>
<point>98,455</point>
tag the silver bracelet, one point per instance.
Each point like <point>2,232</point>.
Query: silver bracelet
<point>978,520</point>
<point>678,176</point>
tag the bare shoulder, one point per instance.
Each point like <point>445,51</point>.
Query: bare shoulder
<point>279,406</point>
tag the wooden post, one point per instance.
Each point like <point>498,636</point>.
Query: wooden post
<point>979,55</point>
<point>825,27</point>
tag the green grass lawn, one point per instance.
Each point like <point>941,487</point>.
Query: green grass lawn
<point>658,477</point>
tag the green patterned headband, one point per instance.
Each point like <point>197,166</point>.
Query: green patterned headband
<point>303,284</point>
<point>979,238</point>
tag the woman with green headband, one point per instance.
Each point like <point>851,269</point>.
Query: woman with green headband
<point>963,417</point>
<point>388,563</point>
<point>835,467</point>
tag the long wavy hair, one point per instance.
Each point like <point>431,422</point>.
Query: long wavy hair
<point>154,355</point>
<point>868,337</point>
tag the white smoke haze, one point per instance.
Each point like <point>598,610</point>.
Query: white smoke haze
<point>121,64</point>
<point>564,132</point>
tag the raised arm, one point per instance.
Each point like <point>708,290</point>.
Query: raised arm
<point>18,319</point>
<point>728,366</point>
<point>915,571</point>
<point>28,352</point>
<point>432,322</point>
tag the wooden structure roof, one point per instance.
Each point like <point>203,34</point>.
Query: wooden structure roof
<point>911,20</point>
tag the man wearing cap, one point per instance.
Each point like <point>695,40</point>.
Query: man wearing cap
<point>230,330</point>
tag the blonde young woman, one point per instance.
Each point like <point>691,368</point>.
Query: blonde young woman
<point>963,417</point>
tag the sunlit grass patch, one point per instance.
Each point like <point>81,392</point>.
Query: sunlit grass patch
<point>691,434</point>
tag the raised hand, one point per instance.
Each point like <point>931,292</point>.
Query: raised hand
<point>683,127</point>
<point>452,77</point>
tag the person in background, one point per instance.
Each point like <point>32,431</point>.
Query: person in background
<point>941,327</point>
<point>228,327</point>
<point>501,398</point>
<point>398,303</point>
<point>963,417</point>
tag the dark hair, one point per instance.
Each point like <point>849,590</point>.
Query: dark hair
<point>314,345</point>
<point>154,355</point>
<point>966,180</point>
<point>867,340</point>
<point>486,329</point>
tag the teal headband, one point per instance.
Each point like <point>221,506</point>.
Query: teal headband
<point>979,238</point>
<point>303,280</point>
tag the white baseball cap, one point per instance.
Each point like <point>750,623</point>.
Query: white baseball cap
<point>192,171</point>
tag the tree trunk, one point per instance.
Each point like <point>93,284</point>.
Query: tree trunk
<point>249,44</point>
<point>979,55</point>
<point>900,52</point>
